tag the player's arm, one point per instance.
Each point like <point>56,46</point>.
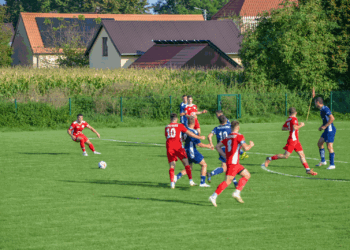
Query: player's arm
<point>210,139</point>
<point>93,130</point>
<point>285,128</point>
<point>202,145</point>
<point>69,131</point>
<point>331,120</point>
<point>201,112</point>
<point>247,147</point>
<point>189,133</point>
<point>296,127</point>
<point>219,149</point>
<point>182,114</point>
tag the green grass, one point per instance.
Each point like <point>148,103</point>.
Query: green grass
<point>54,198</point>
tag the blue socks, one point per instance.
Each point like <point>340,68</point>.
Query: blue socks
<point>322,154</point>
<point>179,175</point>
<point>331,158</point>
<point>235,182</point>
<point>202,179</point>
<point>241,151</point>
<point>217,171</point>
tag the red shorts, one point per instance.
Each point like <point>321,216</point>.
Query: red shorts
<point>234,169</point>
<point>81,136</point>
<point>196,124</point>
<point>293,145</point>
<point>173,154</point>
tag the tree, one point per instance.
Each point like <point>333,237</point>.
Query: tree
<point>187,6</point>
<point>292,47</point>
<point>5,39</point>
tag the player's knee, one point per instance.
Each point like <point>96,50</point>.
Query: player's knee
<point>246,174</point>
<point>286,156</point>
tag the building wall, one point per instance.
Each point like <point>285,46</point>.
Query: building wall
<point>96,60</point>
<point>22,52</point>
<point>235,58</point>
<point>126,61</point>
<point>45,61</point>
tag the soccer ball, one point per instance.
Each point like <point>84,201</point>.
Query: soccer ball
<point>102,164</point>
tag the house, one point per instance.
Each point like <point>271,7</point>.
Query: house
<point>32,43</point>
<point>184,54</point>
<point>117,44</point>
<point>248,10</point>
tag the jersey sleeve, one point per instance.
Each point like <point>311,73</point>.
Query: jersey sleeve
<point>214,131</point>
<point>86,124</point>
<point>327,111</point>
<point>224,141</point>
<point>186,110</point>
<point>285,124</point>
<point>183,129</point>
<point>71,127</point>
<point>241,139</point>
<point>294,121</point>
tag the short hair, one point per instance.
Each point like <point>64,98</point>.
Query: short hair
<point>222,119</point>
<point>173,116</point>
<point>184,96</point>
<point>189,96</point>
<point>79,115</point>
<point>292,110</point>
<point>234,124</point>
<point>319,100</point>
<point>191,120</point>
<point>219,112</point>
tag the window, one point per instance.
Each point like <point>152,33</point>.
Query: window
<point>104,46</point>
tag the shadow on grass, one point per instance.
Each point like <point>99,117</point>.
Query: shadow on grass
<point>162,200</point>
<point>130,183</point>
<point>24,153</point>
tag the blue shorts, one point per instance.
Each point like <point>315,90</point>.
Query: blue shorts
<point>222,158</point>
<point>329,136</point>
<point>194,157</point>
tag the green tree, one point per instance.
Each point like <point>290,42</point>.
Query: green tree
<point>187,6</point>
<point>292,47</point>
<point>5,39</point>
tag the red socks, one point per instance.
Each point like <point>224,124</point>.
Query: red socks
<point>306,165</point>
<point>171,174</point>
<point>92,147</point>
<point>82,145</point>
<point>221,187</point>
<point>188,171</point>
<point>275,157</point>
<point>241,183</point>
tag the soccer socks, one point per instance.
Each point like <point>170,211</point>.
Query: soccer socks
<point>189,172</point>
<point>322,154</point>
<point>235,182</point>
<point>306,166</point>
<point>241,151</point>
<point>331,158</point>
<point>241,183</point>
<point>221,187</point>
<point>92,147</point>
<point>171,174</point>
<point>202,179</point>
<point>217,171</point>
<point>179,175</point>
<point>272,158</point>
<point>82,145</point>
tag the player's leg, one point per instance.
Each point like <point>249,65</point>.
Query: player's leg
<point>331,155</point>
<point>182,173</point>
<point>304,162</point>
<point>276,157</point>
<point>171,173</point>
<point>81,140</point>
<point>203,173</point>
<point>242,182</point>
<point>91,146</point>
<point>218,170</point>
<point>220,188</point>
<point>188,170</point>
<point>320,143</point>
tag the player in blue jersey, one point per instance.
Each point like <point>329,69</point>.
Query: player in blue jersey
<point>193,155</point>
<point>328,134</point>
<point>221,133</point>
<point>183,118</point>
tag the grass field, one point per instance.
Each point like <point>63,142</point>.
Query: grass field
<point>54,198</point>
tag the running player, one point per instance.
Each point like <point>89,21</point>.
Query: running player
<point>328,134</point>
<point>293,143</point>
<point>233,142</point>
<point>77,127</point>
<point>192,110</point>
<point>183,118</point>
<point>221,133</point>
<point>175,149</point>
<point>193,155</point>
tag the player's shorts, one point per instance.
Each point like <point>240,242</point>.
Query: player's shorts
<point>196,124</point>
<point>81,136</point>
<point>234,169</point>
<point>173,154</point>
<point>293,145</point>
<point>222,158</point>
<point>328,136</point>
<point>194,157</point>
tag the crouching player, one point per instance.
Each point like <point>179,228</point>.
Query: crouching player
<point>233,142</point>
<point>77,127</point>
<point>193,155</point>
<point>174,147</point>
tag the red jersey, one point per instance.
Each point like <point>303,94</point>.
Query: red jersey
<point>78,128</point>
<point>293,134</point>
<point>191,109</point>
<point>172,134</point>
<point>233,142</point>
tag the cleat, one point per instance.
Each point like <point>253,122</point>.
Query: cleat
<point>192,183</point>
<point>311,172</point>
<point>97,153</point>
<point>85,154</point>
<point>331,167</point>
<point>237,197</point>
<point>209,177</point>
<point>321,164</point>
<point>172,185</point>
<point>244,156</point>
<point>204,185</point>
<point>213,201</point>
<point>267,162</point>
<point>175,178</point>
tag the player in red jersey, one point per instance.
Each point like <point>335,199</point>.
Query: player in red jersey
<point>78,136</point>
<point>293,143</point>
<point>233,142</point>
<point>192,110</point>
<point>174,147</point>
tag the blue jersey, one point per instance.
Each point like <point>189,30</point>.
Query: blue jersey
<point>183,119</point>
<point>325,112</point>
<point>222,132</point>
<point>228,122</point>
<point>190,146</point>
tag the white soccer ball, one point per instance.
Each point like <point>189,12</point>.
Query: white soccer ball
<point>102,164</point>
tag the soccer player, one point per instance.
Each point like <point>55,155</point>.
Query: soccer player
<point>293,143</point>
<point>233,142</point>
<point>175,149</point>
<point>77,127</point>
<point>192,110</point>
<point>183,118</point>
<point>328,134</point>
<point>193,155</point>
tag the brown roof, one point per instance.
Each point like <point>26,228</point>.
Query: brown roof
<point>36,42</point>
<point>137,37</point>
<point>247,7</point>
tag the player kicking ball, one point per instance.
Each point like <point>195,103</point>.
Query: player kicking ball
<point>233,142</point>
<point>293,143</point>
<point>77,127</point>
<point>193,155</point>
<point>174,147</point>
